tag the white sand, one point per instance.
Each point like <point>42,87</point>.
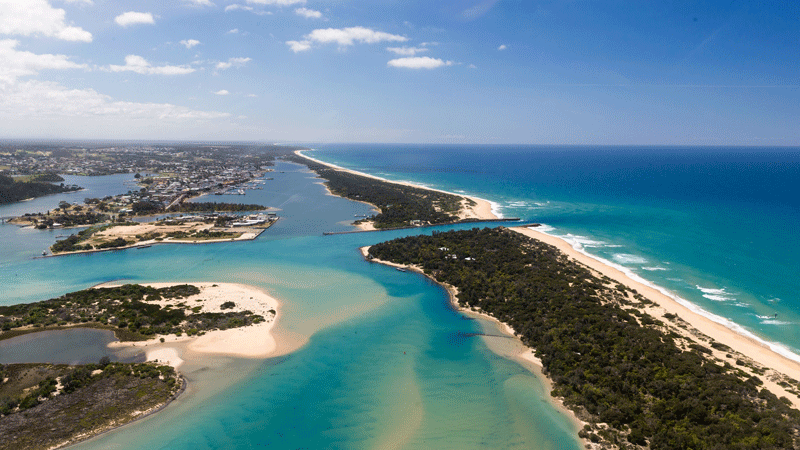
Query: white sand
<point>748,347</point>
<point>481,210</point>
<point>254,341</point>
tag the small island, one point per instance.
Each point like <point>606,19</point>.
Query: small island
<point>168,320</point>
<point>193,229</point>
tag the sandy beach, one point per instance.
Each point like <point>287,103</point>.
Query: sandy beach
<point>255,341</point>
<point>700,328</point>
<point>481,210</point>
<point>777,365</point>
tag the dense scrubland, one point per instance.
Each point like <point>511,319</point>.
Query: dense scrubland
<point>399,205</point>
<point>13,191</point>
<point>132,311</point>
<point>46,405</point>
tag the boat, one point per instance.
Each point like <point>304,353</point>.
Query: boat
<point>44,252</point>
<point>400,269</point>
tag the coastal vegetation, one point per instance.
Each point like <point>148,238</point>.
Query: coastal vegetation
<point>400,205</point>
<point>46,406</point>
<point>616,367</point>
<point>132,311</point>
<point>13,191</point>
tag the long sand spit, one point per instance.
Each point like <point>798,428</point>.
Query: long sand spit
<point>776,364</point>
<point>482,209</point>
<point>254,341</point>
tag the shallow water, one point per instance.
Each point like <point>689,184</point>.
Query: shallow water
<point>715,226</point>
<point>387,362</point>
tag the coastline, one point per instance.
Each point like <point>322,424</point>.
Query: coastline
<point>777,365</point>
<point>482,209</point>
<point>250,342</point>
<point>525,357</point>
<point>246,236</point>
<point>253,342</point>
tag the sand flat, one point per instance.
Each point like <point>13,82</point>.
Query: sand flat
<point>254,341</point>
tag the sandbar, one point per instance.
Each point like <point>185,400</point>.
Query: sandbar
<point>254,341</point>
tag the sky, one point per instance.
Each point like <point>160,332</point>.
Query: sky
<point>603,72</point>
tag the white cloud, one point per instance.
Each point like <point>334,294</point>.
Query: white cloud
<point>137,64</point>
<point>37,17</point>
<point>344,37</point>
<point>478,10</point>
<point>252,95</point>
<point>299,46</point>
<point>236,7</point>
<point>189,43</point>
<point>277,2</point>
<point>129,18</point>
<point>222,92</point>
<point>238,62</point>
<point>419,62</point>
<point>35,103</point>
<point>15,63</point>
<point>472,66</point>
<point>502,47</point>
<point>406,51</point>
<point>233,31</point>
<point>199,2</point>
<point>308,13</point>
<point>85,2</point>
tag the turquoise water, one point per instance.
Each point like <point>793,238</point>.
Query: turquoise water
<point>20,243</point>
<point>387,362</point>
<point>713,226</point>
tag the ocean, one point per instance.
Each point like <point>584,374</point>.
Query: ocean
<point>387,363</point>
<point>713,226</point>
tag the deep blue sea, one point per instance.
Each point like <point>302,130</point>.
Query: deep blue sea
<point>715,226</point>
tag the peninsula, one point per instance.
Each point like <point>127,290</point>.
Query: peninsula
<point>628,366</point>
<point>398,205</point>
<point>14,190</point>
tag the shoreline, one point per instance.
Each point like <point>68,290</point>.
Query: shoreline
<point>246,236</point>
<point>233,342</point>
<point>748,346</point>
<point>482,210</point>
<point>525,357</point>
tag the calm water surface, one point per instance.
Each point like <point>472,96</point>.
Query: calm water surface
<point>387,363</point>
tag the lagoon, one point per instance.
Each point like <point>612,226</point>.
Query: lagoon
<point>343,380</point>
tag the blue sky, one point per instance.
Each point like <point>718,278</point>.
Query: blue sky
<point>469,71</point>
